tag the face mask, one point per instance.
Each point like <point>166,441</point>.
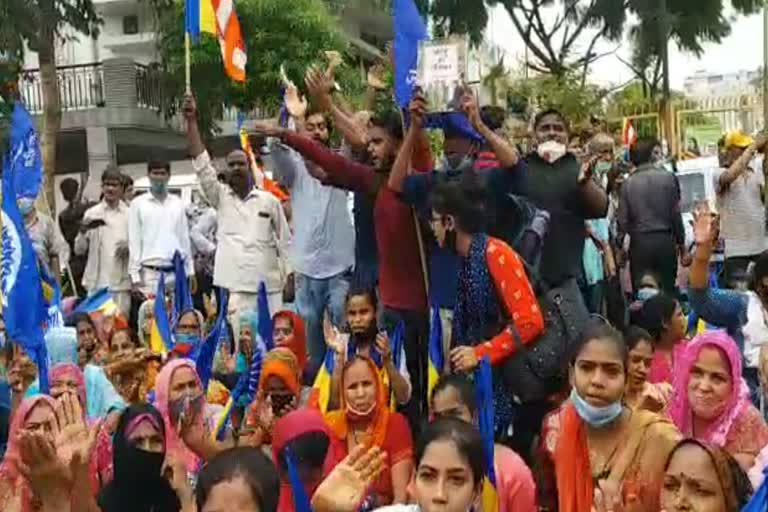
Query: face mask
<point>646,292</point>
<point>596,417</point>
<point>25,204</point>
<point>280,402</point>
<point>602,167</point>
<point>158,187</point>
<point>177,407</point>
<point>187,339</point>
<point>139,466</point>
<point>456,162</point>
<point>551,151</point>
<point>355,415</point>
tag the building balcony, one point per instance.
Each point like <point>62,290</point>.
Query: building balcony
<point>116,92</point>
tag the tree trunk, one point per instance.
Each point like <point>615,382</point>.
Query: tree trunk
<point>52,108</point>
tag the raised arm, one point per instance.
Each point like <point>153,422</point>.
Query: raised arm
<point>400,168</point>
<point>206,173</point>
<point>320,85</point>
<point>340,172</point>
<point>738,167</point>
<point>505,153</point>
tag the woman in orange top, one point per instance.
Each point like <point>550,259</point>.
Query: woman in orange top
<point>365,418</point>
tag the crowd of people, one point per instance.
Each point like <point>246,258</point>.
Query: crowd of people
<point>627,365</point>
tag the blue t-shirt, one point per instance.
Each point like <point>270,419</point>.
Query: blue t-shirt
<point>444,264</point>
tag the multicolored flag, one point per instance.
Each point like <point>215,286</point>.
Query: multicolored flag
<point>436,361</point>
<point>218,17</point>
<point>262,180</point>
<point>628,133</point>
<point>484,389</point>
<point>101,300</point>
<point>160,337</point>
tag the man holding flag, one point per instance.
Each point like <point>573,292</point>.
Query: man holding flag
<point>253,233</point>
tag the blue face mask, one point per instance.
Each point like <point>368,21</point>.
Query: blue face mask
<point>158,187</point>
<point>188,339</point>
<point>596,417</point>
<point>645,293</point>
<point>25,204</point>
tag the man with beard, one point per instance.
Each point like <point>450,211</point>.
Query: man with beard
<point>560,185</point>
<point>322,252</point>
<point>401,279</point>
<point>253,233</point>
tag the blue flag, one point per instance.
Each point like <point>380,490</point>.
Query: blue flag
<point>24,307</point>
<point>182,297</point>
<point>759,500</point>
<point>23,161</point>
<point>409,31</point>
<point>162,323</point>
<point>207,352</point>
<point>265,317</point>
<point>300,499</point>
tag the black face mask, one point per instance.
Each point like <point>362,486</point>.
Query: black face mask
<point>280,402</point>
<point>137,465</point>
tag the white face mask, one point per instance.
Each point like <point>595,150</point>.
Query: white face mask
<point>551,151</point>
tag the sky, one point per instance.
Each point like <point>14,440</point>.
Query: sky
<point>742,50</point>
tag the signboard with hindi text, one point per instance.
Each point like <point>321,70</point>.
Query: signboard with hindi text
<point>443,71</point>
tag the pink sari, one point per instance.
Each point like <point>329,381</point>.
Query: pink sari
<point>14,488</point>
<point>739,428</point>
<point>101,465</point>
<point>174,445</point>
<point>663,370</point>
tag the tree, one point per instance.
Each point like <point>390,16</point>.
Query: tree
<point>497,76</point>
<point>39,24</point>
<point>274,35</point>
<point>565,94</point>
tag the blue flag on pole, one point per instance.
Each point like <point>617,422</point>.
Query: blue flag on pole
<point>207,352</point>
<point>182,296</point>
<point>24,307</point>
<point>265,317</point>
<point>24,161</point>
<point>409,31</point>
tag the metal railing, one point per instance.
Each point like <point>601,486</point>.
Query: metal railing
<point>148,89</point>
<point>80,87</point>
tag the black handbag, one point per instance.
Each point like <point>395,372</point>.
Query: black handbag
<point>538,369</point>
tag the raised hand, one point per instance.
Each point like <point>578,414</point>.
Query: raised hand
<point>346,486</point>
<point>376,77</point>
<point>189,108</point>
<point>176,473</point>
<point>464,359</point>
<point>704,226</point>
<point>73,439</point>
<point>607,497</point>
<point>383,346</point>
<point>471,109</point>
<point>588,169</point>
<point>319,84</point>
<point>294,102</point>
<point>418,110</point>
<point>49,477</point>
<point>333,337</point>
<point>334,60</point>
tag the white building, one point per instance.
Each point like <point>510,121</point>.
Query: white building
<point>708,84</point>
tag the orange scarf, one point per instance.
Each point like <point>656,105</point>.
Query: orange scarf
<point>377,428</point>
<point>281,362</point>
<point>572,468</point>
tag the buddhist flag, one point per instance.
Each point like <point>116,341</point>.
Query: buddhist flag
<point>321,388</point>
<point>436,361</point>
<point>484,389</point>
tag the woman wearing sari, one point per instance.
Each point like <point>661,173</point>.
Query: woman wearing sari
<point>711,401</point>
<point>139,454</point>
<point>187,416</point>
<point>68,378</point>
<point>188,334</point>
<point>279,393</point>
<point>641,394</point>
<point>365,418</point>
<point>663,318</point>
<point>35,414</point>
<point>315,451</point>
<point>703,478</point>
<point>288,331</point>
<point>146,317</point>
<point>594,443</point>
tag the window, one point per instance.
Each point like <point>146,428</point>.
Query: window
<point>130,25</point>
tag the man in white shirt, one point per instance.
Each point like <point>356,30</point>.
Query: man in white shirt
<point>157,228</point>
<point>253,233</point>
<point>740,201</point>
<point>103,237</point>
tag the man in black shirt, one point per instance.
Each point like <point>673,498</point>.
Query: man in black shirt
<point>560,184</point>
<point>649,212</point>
<point>69,222</point>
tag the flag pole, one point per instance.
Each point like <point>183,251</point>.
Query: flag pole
<point>187,63</point>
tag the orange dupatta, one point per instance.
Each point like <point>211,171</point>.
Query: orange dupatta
<point>573,472</point>
<point>377,429</point>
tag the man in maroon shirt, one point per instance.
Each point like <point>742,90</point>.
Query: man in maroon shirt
<point>401,279</point>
